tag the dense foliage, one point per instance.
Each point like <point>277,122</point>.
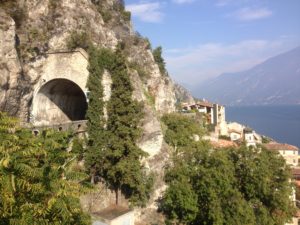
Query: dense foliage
<point>95,113</point>
<point>181,130</point>
<point>39,179</point>
<point>228,186</point>
<point>113,154</point>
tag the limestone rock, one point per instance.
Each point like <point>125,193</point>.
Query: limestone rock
<point>10,67</point>
<point>36,51</point>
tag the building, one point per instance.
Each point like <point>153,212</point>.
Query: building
<point>218,114</point>
<point>251,137</point>
<point>235,135</point>
<point>206,108</point>
<point>212,113</point>
<point>289,152</point>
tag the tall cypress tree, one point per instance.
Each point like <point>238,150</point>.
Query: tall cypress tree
<point>112,152</point>
<point>95,113</point>
<point>122,167</point>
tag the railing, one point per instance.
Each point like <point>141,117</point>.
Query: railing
<point>78,126</point>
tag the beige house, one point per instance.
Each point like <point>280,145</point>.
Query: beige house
<point>212,114</point>
<point>235,134</point>
<point>289,152</point>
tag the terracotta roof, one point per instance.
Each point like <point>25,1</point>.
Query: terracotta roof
<point>223,144</point>
<point>296,171</point>
<point>205,104</point>
<point>280,146</point>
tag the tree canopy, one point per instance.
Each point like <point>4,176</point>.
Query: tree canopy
<point>39,182</point>
<point>113,154</point>
<point>243,186</point>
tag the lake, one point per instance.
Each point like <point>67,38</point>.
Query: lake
<point>281,123</point>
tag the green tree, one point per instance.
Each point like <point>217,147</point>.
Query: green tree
<point>112,152</point>
<point>180,202</point>
<point>264,180</point>
<point>122,167</point>
<point>231,186</point>
<point>180,130</point>
<point>157,54</point>
<point>38,182</point>
<point>95,113</point>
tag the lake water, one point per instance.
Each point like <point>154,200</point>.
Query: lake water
<point>281,123</point>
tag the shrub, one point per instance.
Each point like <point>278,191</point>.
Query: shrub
<point>78,40</point>
<point>157,54</point>
<point>126,15</point>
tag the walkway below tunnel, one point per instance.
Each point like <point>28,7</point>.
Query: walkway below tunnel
<point>79,126</point>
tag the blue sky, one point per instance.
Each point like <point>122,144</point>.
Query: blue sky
<point>204,38</point>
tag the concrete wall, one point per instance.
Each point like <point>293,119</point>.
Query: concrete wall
<point>250,140</point>
<point>59,101</point>
<point>60,95</point>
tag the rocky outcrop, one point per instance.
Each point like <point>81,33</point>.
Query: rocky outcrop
<point>44,27</point>
<point>183,95</point>
<point>10,67</point>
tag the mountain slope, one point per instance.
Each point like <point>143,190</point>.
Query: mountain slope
<point>275,81</point>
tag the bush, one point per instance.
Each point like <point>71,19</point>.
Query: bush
<point>126,15</point>
<point>157,54</point>
<point>79,40</point>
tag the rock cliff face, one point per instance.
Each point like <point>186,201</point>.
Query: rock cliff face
<point>45,27</point>
<point>31,30</point>
<point>183,95</point>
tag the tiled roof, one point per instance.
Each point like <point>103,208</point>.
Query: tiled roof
<point>205,104</point>
<point>280,146</point>
<point>223,144</point>
<point>296,171</point>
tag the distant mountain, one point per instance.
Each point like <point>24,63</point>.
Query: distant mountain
<point>273,82</point>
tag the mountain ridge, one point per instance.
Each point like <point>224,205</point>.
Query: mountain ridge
<point>273,82</point>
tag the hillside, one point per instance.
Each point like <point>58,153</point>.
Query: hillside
<point>273,82</point>
<point>44,72</point>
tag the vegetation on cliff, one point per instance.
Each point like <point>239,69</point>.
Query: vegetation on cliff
<point>157,54</point>
<point>112,152</point>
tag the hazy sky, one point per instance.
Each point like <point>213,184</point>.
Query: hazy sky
<point>204,38</point>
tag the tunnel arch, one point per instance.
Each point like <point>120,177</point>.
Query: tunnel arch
<point>58,101</point>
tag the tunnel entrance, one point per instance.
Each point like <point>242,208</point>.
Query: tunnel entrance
<point>59,101</point>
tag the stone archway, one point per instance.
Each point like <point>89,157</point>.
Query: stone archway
<point>59,101</point>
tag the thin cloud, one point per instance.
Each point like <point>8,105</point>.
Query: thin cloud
<point>249,14</point>
<point>183,1</point>
<point>199,63</point>
<point>147,12</point>
<point>221,3</point>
